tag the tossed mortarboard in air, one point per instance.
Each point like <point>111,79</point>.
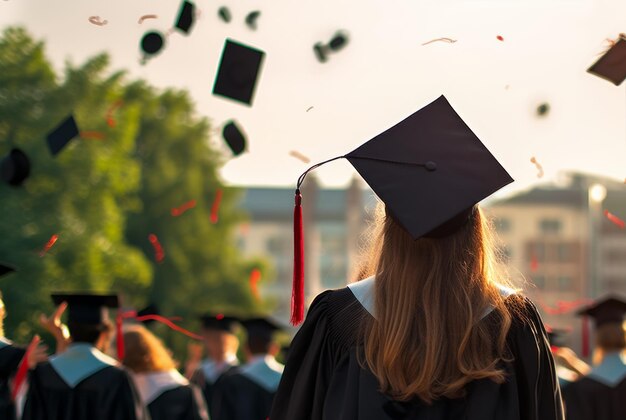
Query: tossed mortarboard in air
<point>152,42</point>
<point>612,65</point>
<point>151,309</point>
<point>224,14</point>
<point>234,137</point>
<point>6,269</point>
<point>15,167</point>
<point>59,137</point>
<point>238,72</point>
<point>185,16</point>
<point>608,310</point>
<point>260,327</point>
<point>430,170</point>
<point>338,41</point>
<point>87,308</point>
<point>251,19</point>
<point>219,322</point>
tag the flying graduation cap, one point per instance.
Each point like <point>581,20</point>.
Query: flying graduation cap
<point>234,137</point>
<point>251,19</point>
<point>6,269</point>
<point>608,310</point>
<point>185,17</point>
<point>612,65</point>
<point>152,42</point>
<point>430,170</point>
<point>15,167</point>
<point>238,72</point>
<point>59,137</point>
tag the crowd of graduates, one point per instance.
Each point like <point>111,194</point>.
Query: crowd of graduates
<point>86,379</point>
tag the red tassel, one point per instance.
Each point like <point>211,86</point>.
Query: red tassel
<point>585,336</point>
<point>22,370</point>
<point>119,338</point>
<point>297,292</point>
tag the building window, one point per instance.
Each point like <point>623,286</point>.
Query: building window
<point>550,226</point>
<point>565,283</point>
<point>502,225</point>
<point>276,245</point>
<point>535,252</point>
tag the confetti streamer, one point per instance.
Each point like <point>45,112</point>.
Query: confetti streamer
<point>255,276</point>
<point>309,108</point>
<point>538,166</point>
<point>448,40</point>
<point>92,135</point>
<point>500,38</point>
<point>49,245</point>
<point>177,211</point>
<point>159,255</point>
<point>300,156</point>
<point>614,219</point>
<point>216,206</point>
<point>96,20</point>
<point>144,17</point>
<point>109,115</point>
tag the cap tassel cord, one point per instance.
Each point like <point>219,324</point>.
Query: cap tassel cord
<point>119,337</point>
<point>297,291</point>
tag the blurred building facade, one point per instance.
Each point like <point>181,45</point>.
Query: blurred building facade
<point>561,249</point>
<point>334,222</point>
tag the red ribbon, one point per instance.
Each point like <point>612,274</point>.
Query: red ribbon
<point>216,205</point>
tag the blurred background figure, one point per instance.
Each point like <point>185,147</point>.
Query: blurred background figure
<point>164,391</point>
<point>569,368</point>
<point>248,393</point>
<point>221,344</point>
<point>601,394</point>
<point>10,357</point>
<point>83,382</point>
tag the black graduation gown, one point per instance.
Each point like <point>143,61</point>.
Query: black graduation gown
<point>108,393</point>
<point>240,396</point>
<point>10,357</point>
<point>182,403</point>
<point>324,380</point>
<point>208,387</point>
<point>592,398</point>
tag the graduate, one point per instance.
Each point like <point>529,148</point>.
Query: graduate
<point>248,393</point>
<point>569,368</point>
<point>164,391</point>
<point>601,394</point>
<point>221,344</point>
<point>83,382</point>
<point>431,333</point>
<point>10,357</point>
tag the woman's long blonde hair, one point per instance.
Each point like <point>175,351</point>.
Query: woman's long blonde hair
<point>145,352</point>
<point>427,339</point>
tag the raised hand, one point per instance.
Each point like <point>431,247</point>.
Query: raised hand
<point>54,326</point>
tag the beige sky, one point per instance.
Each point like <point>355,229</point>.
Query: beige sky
<point>383,75</point>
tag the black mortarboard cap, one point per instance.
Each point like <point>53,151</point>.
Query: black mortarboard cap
<point>219,322</point>
<point>185,16</point>
<point>320,52</point>
<point>430,170</point>
<point>15,167</point>
<point>152,42</point>
<point>151,309</point>
<point>608,310</point>
<point>260,327</point>
<point>62,134</point>
<point>234,137</point>
<point>612,65</point>
<point>238,72</point>
<point>86,308</point>
<point>224,14</point>
<point>338,41</point>
<point>251,19</point>
<point>6,269</point>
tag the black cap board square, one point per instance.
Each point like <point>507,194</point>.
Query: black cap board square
<point>59,137</point>
<point>612,65</point>
<point>238,72</point>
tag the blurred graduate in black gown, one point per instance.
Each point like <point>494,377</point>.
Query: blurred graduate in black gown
<point>83,382</point>
<point>432,334</point>
<point>221,345</point>
<point>164,391</point>
<point>10,357</point>
<point>248,393</point>
<point>601,394</point>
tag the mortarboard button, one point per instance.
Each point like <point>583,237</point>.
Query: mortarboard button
<point>152,42</point>
<point>612,65</point>
<point>238,71</point>
<point>219,322</point>
<point>61,135</point>
<point>224,14</point>
<point>6,269</point>
<point>15,167</point>
<point>234,138</point>
<point>251,19</point>
<point>185,16</point>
